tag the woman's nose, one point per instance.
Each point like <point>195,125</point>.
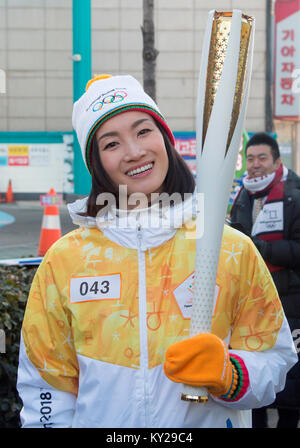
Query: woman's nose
<point>133,151</point>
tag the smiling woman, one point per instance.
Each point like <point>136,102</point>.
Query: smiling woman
<point>127,143</point>
<point>104,338</point>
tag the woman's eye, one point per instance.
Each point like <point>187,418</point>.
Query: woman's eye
<point>110,145</point>
<point>144,131</point>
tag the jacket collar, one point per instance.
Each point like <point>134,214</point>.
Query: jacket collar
<point>138,228</point>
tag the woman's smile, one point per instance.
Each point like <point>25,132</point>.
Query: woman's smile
<point>141,171</point>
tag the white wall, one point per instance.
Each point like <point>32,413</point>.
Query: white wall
<point>36,49</point>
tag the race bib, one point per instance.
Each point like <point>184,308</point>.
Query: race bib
<point>270,219</point>
<point>87,289</point>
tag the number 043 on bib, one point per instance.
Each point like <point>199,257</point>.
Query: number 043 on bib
<point>87,289</point>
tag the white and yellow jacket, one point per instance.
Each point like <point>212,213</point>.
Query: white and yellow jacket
<point>106,303</point>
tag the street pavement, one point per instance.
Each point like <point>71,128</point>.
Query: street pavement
<point>20,227</point>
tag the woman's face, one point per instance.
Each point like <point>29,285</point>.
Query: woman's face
<point>133,153</point>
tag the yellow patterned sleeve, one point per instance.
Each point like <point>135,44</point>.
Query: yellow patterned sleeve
<point>257,312</point>
<point>47,332</point>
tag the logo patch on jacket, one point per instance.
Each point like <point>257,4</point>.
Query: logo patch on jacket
<point>86,289</point>
<point>270,219</point>
<point>184,296</point>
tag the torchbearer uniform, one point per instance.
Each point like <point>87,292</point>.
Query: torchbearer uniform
<point>106,303</point>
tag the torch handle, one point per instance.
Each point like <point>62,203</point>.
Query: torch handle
<point>195,394</point>
<point>206,266</point>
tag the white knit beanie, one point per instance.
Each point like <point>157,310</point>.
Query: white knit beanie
<point>106,96</point>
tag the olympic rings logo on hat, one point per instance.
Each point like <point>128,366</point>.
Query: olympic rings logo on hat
<point>117,97</point>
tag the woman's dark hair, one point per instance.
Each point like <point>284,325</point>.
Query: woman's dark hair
<point>179,178</point>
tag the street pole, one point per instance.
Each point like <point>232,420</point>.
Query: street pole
<point>149,51</point>
<point>269,66</point>
<point>295,152</point>
<point>81,75</point>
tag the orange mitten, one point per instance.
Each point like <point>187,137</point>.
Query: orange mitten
<point>202,361</point>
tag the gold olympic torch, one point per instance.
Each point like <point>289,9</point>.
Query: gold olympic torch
<point>221,104</point>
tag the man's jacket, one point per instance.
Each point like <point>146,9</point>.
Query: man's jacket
<point>283,253</point>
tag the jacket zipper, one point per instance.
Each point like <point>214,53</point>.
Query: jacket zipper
<point>143,319</point>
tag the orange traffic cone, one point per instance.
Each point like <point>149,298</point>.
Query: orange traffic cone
<point>9,196</point>
<point>51,230</point>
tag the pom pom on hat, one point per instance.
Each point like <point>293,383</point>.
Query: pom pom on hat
<point>96,77</point>
<point>105,97</point>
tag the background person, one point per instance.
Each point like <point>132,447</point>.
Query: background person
<point>104,338</point>
<point>267,208</point>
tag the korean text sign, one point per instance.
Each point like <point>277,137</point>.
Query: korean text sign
<point>287,59</point>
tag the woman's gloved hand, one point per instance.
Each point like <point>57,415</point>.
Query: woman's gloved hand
<point>202,361</point>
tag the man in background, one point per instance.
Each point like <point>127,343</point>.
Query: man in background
<point>267,208</point>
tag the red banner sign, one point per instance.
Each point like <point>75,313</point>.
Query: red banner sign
<point>287,60</point>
